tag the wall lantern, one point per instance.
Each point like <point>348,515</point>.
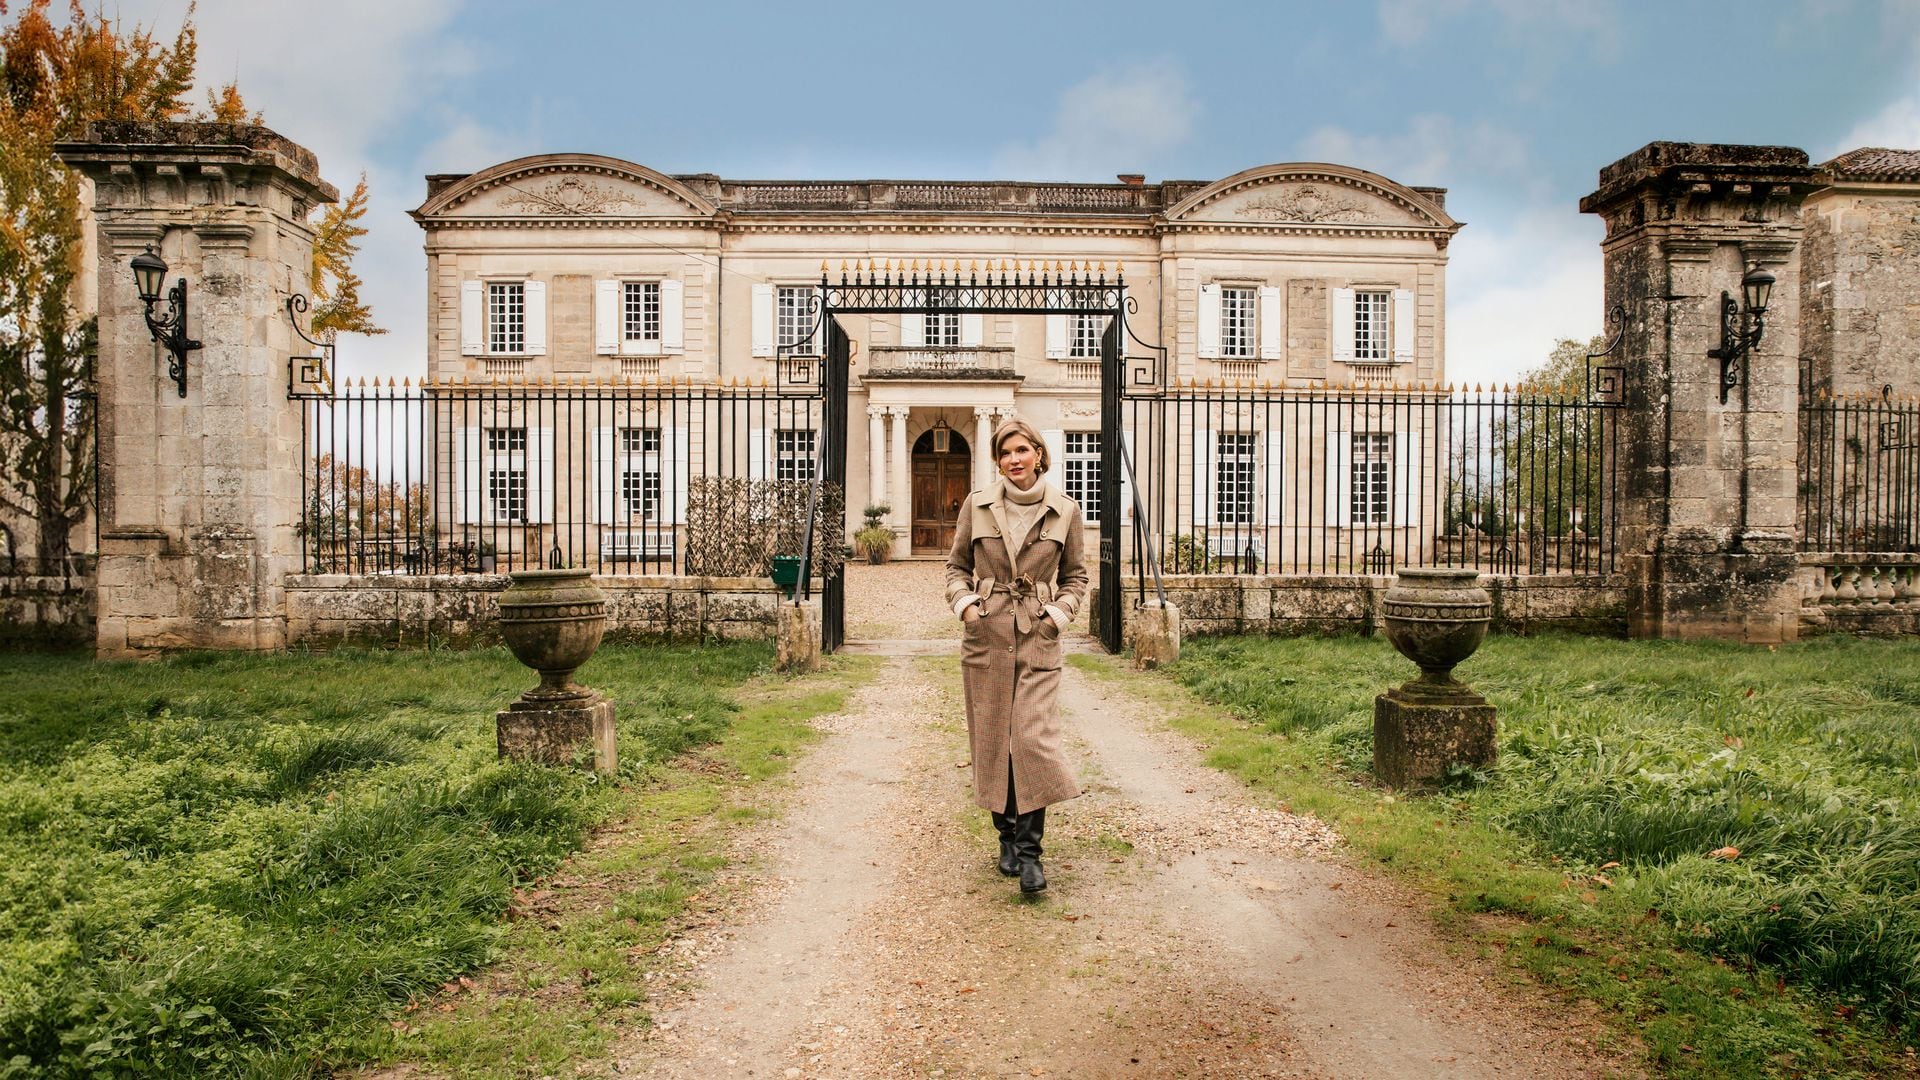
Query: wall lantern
<point>942,436</point>
<point>170,329</point>
<point>1741,327</point>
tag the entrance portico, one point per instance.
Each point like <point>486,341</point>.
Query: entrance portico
<point>899,413</point>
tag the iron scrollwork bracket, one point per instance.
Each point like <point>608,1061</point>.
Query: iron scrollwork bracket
<point>309,376</point>
<point>1605,382</point>
<point>170,330</point>
<point>1740,331</point>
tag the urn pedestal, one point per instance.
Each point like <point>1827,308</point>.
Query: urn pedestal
<point>1421,729</point>
<point>553,621</point>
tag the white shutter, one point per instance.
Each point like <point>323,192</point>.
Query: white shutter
<point>1057,457</point>
<point>1277,486</point>
<point>675,462</point>
<point>673,316</point>
<point>973,330</point>
<point>1126,486</point>
<point>1056,337</point>
<point>468,485</point>
<point>1272,343</point>
<point>1403,326</point>
<point>913,324</point>
<point>1406,478</point>
<point>762,320</point>
<point>1339,466</point>
<point>1205,446</point>
<point>606,477</point>
<point>473,318</point>
<point>1207,322</point>
<point>540,475</point>
<point>757,454</point>
<point>536,318</point>
<point>1343,325</point>
<point>606,317</point>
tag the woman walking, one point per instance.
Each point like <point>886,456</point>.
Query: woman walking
<point>1015,578</point>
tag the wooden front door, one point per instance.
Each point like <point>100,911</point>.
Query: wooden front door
<point>940,485</point>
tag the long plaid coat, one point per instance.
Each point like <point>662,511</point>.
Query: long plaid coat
<point>1010,657</point>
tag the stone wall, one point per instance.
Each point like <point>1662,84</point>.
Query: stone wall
<point>1299,604</point>
<point>1859,274</point>
<point>1869,593</point>
<point>324,609</point>
<point>46,612</point>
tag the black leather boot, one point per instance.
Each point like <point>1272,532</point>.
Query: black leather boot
<point>1027,832</point>
<point>1009,859</point>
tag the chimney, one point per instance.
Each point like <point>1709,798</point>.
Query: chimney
<point>1133,179</point>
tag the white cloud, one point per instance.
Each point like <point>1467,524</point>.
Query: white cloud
<point>1432,150</point>
<point>1511,294</point>
<point>1106,124</point>
<point>1896,125</point>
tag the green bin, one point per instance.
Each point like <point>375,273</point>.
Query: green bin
<point>786,573</point>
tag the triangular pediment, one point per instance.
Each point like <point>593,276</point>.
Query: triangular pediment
<point>566,186</point>
<point>1310,195</point>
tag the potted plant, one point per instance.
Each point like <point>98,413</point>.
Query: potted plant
<point>874,539</point>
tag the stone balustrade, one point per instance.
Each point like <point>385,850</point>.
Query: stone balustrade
<point>1860,592</point>
<point>915,361</point>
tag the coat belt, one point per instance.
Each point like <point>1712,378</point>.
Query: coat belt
<point>1030,598</point>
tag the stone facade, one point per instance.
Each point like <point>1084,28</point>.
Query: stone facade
<point>570,266</point>
<point>1300,604</point>
<point>1860,274</point>
<point>331,609</point>
<point>48,612</point>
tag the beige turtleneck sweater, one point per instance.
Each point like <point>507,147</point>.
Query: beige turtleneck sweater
<point>1024,510</point>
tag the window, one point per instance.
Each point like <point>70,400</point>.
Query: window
<point>640,471</point>
<point>1233,479</point>
<point>506,450</point>
<point>1083,336</point>
<point>1372,467</point>
<point>1080,472</point>
<point>640,312</point>
<point>793,455</point>
<point>1236,321</point>
<point>508,440</point>
<point>506,316</point>
<point>1370,340</point>
<point>794,315</point>
<point>942,330</point>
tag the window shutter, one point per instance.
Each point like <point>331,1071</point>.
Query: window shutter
<point>1339,466</point>
<point>1275,489</point>
<point>606,317</point>
<point>473,318</point>
<point>675,462</point>
<point>1403,326</point>
<point>606,477</point>
<point>973,330</point>
<point>1406,478</point>
<point>913,324</point>
<point>673,316</point>
<point>468,480</point>
<point>1207,323</point>
<point>1343,325</point>
<point>540,475</point>
<point>1056,441</point>
<point>1126,486</point>
<point>1056,337</point>
<point>1205,446</point>
<point>757,454</point>
<point>536,318</point>
<point>762,320</point>
<point>1272,343</point>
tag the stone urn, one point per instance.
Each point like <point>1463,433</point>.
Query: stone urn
<point>1437,617</point>
<point>1430,726</point>
<point>553,621</point>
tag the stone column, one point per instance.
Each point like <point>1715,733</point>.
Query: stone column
<point>1707,521</point>
<point>900,485</point>
<point>876,455</point>
<point>982,457</point>
<point>199,496</point>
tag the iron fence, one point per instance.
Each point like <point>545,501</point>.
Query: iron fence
<point>653,478</point>
<point>1259,479</point>
<point>1859,472</point>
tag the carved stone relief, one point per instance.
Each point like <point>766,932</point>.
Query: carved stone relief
<point>1311,204</point>
<point>568,195</point>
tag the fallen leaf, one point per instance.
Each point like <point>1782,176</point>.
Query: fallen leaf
<point>1588,896</point>
<point>967,990</point>
<point>1729,853</point>
<point>1603,881</point>
<point>1734,740</point>
<point>1336,885</point>
<point>1609,866</point>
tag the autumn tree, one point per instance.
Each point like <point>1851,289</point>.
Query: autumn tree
<point>1552,446</point>
<point>334,285</point>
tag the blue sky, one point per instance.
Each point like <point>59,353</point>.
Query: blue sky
<point>1514,105</point>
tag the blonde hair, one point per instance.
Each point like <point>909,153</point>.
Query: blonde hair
<point>1018,425</point>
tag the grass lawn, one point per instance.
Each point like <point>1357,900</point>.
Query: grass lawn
<point>245,865</point>
<point>1600,852</point>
